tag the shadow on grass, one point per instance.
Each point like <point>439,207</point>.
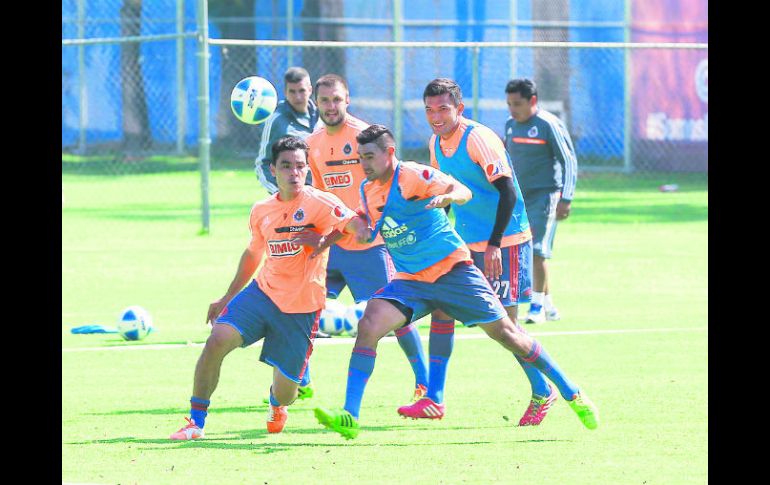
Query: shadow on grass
<point>229,441</point>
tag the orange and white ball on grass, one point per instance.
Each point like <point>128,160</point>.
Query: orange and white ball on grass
<point>253,100</point>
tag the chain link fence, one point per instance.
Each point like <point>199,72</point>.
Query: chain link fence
<point>130,86</point>
<point>613,130</point>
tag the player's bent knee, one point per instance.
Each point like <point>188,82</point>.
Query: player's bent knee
<point>223,339</point>
<point>367,330</point>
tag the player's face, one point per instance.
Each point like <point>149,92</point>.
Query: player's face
<point>521,109</point>
<point>332,104</point>
<point>442,114</point>
<point>376,162</point>
<point>290,171</point>
<point>297,94</point>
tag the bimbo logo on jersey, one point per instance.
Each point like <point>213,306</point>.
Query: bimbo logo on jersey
<point>283,248</point>
<point>334,180</point>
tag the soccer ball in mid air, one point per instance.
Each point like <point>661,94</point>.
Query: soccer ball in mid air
<point>253,100</point>
<point>352,315</point>
<point>134,323</point>
<point>332,318</point>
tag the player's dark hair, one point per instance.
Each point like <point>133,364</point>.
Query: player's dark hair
<point>295,74</point>
<point>525,87</point>
<point>288,143</point>
<point>330,80</point>
<point>377,134</point>
<point>443,85</point>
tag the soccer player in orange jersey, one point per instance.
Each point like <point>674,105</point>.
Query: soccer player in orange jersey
<point>494,224</point>
<point>402,201</point>
<point>283,303</point>
<point>336,168</point>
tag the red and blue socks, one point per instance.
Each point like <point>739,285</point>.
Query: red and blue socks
<point>539,358</point>
<point>198,410</point>
<point>440,345</point>
<point>360,369</point>
<point>409,340</point>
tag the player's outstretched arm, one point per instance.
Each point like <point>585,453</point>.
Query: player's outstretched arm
<point>455,193</point>
<point>356,226</point>
<point>246,267</point>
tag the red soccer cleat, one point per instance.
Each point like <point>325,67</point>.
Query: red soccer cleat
<point>538,408</point>
<point>276,418</point>
<point>424,408</point>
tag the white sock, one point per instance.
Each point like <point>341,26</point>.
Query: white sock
<point>548,303</point>
<point>537,298</point>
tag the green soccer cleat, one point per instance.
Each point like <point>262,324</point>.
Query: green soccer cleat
<point>302,393</point>
<point>585,409</point>
<point>305,392</point>
<point>338,420</point>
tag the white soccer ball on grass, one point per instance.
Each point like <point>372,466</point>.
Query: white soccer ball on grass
<point>134,323</point>
<point>352,315</point>
<point>332,318</point>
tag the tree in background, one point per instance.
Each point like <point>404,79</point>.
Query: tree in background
<point>136,124</point>
<point>235,20</point>
<point>323,61</point>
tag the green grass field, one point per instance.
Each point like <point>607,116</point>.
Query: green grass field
<point>629,275</point>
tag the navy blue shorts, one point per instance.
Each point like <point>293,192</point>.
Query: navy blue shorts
<point>364,272</point>
<point>514,286</point>
<point>463,293</point>
<point>288,336</point>
<point>541,211</point>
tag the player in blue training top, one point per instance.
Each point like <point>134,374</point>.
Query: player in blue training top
<point>404,201</point>
<point>494,223</point>
<point>545,163</point>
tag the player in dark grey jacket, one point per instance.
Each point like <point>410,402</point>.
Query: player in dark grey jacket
<point>296,115</point>
<point>545,164</point>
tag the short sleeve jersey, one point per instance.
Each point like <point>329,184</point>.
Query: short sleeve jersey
<point>487,150</point>
<point>416,181</point>
<point>336,168</point>
<point>295,283</point>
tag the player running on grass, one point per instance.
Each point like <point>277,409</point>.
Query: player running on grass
<point>435,270</point>
<point>283,303</point>
<point>334,164</point>
<point>494,224</point>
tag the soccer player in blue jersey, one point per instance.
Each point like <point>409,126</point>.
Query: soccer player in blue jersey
<point>404,202</point>
<point>545,163</point>
<point>494,224</point>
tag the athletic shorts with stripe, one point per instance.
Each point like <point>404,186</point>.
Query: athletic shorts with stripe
<point>464,293</point>
<point>288,336</point>
<point>541,211</point>
<point>514,286</point>
<point>364,272</point>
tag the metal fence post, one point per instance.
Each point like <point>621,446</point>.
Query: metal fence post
<point>398,74</point>
<point>475,81</point>
<point>181,98</point>
<point>290,29</point>
<point>627,167</point>
<point>204,140</point>
<point>513,9</point>
<point>83,105</point>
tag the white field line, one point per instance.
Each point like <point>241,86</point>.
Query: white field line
<point>351,340</point>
